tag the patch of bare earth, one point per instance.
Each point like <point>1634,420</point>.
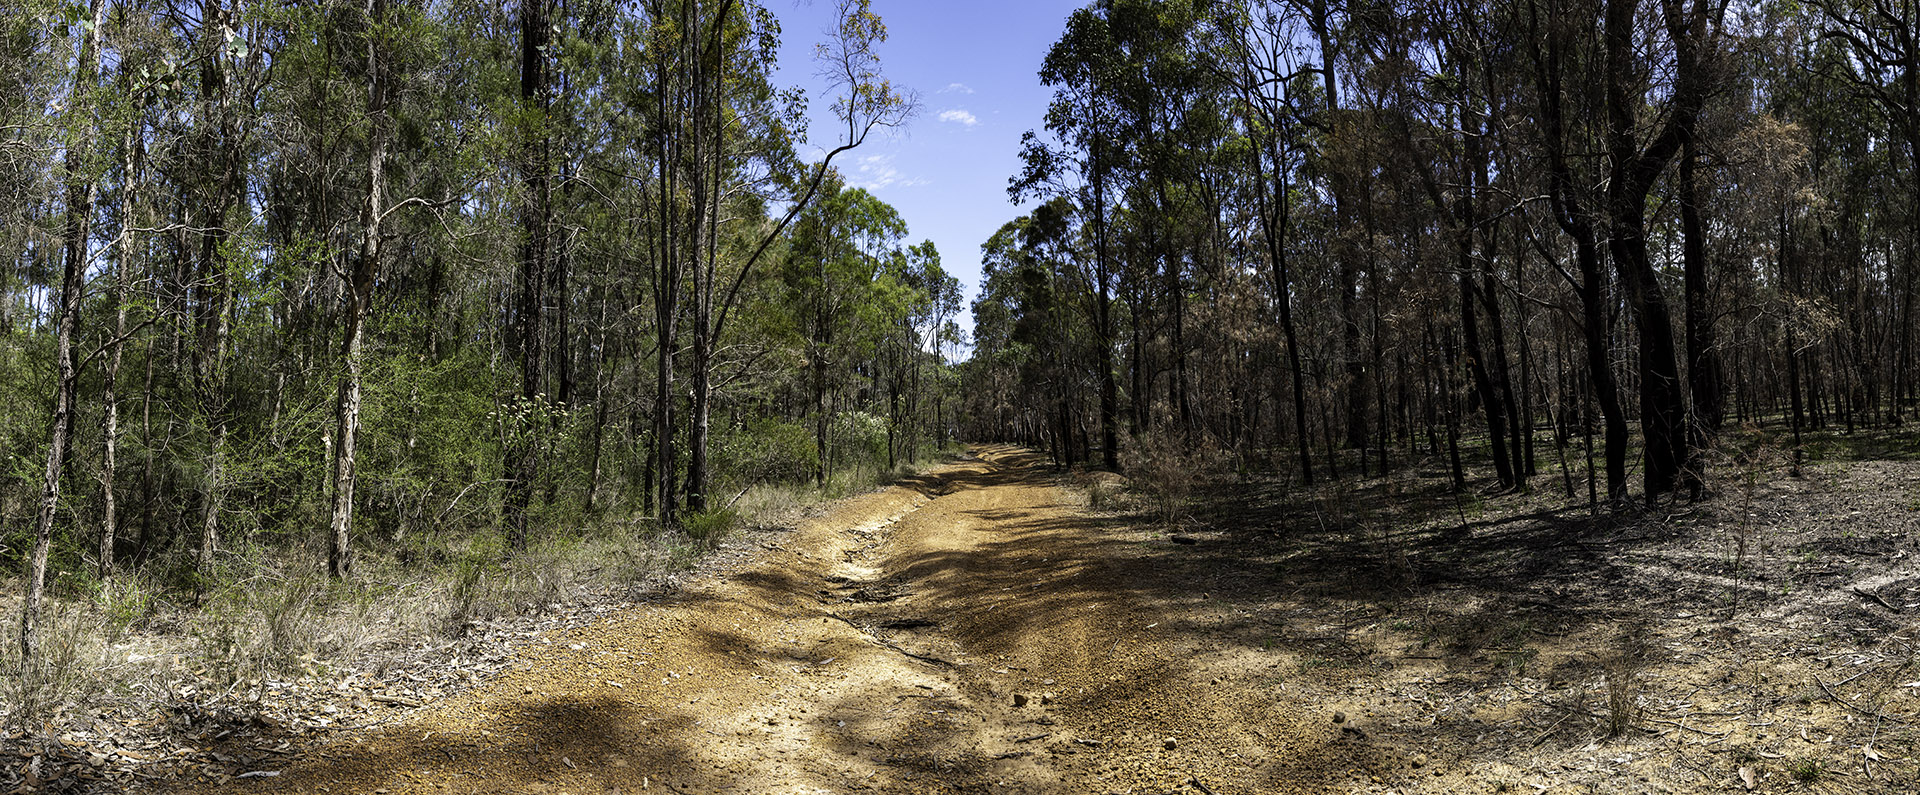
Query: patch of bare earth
<point>981,630</point>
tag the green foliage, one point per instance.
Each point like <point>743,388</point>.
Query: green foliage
<point>767,450</point>
<point>711,526</point>
<point>861,434</point>
<point>420,446</point>
<point>245,196</point>
<point>1808,771</point>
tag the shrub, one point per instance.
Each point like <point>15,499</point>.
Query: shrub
<point>1167,469</point>
<point>766,450</point>
<point>711,526</point>
<point>33,691</point>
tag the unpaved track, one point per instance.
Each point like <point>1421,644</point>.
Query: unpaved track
<point>882,647</point>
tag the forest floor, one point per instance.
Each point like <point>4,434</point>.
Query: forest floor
<point>983,628</point>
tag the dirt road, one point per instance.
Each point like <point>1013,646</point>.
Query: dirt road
<point>973,631</point>
<point>982,630</point>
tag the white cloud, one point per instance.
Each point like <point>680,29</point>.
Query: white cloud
<point>956,88</point>
<point>958,116</point>
<point>877,172</point>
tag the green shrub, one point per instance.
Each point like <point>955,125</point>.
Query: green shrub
<point>859,437</point>
<point>711,526</point>
<point>766,450</point>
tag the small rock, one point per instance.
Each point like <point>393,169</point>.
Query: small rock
<point>1170,743</point>
<point>1046,698</point>
<point>1339,717</point>
<point>1419,760</point>
<point>1019,699</point>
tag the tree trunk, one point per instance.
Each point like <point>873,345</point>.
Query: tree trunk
<point>523,448</point>
<point>79,215</point>
<point>214,289</point>
<point>1275,219</point>
<point>132,159</point>
<point>1663,418</point>
<point>1109,387</point>
<point>1572,216</point>
<point>1706,380</point>
<point>1490,402</point>
<point>359,297</point>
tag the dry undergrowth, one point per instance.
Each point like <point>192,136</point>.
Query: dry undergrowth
<point>272,647</point>
<point>1168,468</point>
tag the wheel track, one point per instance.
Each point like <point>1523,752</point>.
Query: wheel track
<point>1043,665</point>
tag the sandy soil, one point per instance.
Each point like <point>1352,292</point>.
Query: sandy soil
<point>983,630</point>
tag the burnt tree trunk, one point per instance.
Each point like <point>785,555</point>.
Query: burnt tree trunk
<point>523,449</point>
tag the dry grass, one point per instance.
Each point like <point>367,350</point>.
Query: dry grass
<point>1099,491</point>
<point>36,691</point>
<point>269,615</point>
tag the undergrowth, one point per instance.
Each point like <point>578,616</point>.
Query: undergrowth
<point>167,634</point>
<point>1167,468</point>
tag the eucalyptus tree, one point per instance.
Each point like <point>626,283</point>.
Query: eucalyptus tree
<point>934,300</point>
<point>1332,28</point>
<point>839,245</point>
<point>1564,56</point>
<point>529,328</point>
<point>1024,346</point>
<point>76,170</point>
<point>1691,31</point>
<point>378,26</point>
<point>723,148</point>
<point>223,39</point>
<point>1862,55</point>
<point>1086,161</point>
<point>1263,65</point>
<point>1447,108</point>
<point>141,86</point>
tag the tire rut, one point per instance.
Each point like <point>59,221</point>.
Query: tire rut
<point>969,631</point>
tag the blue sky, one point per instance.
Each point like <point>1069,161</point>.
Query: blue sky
<point>976,67</point>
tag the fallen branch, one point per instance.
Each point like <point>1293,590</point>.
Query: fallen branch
<point>921,657</point>
<point>1875,598</point>
<point>1688,728</point>
<point>1855,707</point>
<point>889,646</point>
